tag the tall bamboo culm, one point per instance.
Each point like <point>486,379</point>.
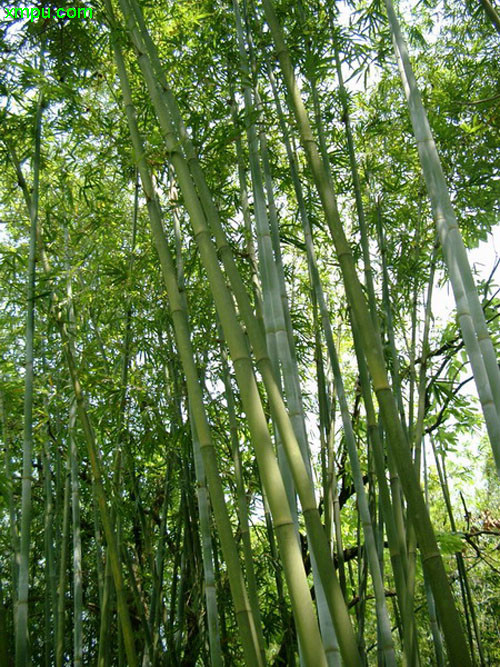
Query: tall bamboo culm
<point>480,350</point>
<point>278,328</point>
<point>22,630</point>
<point>243,612</point>
<point>253,408</point>
<point>302,479</point>
<point>372,349</point>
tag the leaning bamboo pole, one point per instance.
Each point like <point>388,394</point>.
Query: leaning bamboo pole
<point>480,350</point>
<point>203,502</point>
<point>398,561</point>
<point>237,342</point>
<point>277,326</point>
<point>434,623</point>
<point>370,341</point>
<point>181,327</point>
<point>21,626</point>
<point>241,495</point>
<point>272,314</point>
<point>383,618</point>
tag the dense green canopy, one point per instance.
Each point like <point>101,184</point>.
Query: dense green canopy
<point>249,380</point>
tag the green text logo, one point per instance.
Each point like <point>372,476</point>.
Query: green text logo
<point>34,13</point>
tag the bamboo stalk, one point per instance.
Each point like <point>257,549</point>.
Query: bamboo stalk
<point>204,507</point>
<point>455,639</point>
<point>278,329</point>
<point>63,565</point>
<point>22,630</point>
<point>436,632</point>
<point>302,479</point>
<point>243,611</point>
<point>480,350</point>
<point>249,394</point>
<point>75,500</point>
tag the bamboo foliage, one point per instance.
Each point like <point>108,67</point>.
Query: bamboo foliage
<point>237,372</point>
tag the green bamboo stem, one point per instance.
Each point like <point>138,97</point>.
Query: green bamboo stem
<point>175,578</point>
<point>50,569</point>
<point>346,117</point>
<point>422,377</point>
<point>22,631</point>
<point>372,349</point>
<point>411,546</point>
<point>403,533</point>
<point>417,433</point>
<point>436,632</point>
<point>364,512</point>
<point>418,440</point>
<point>395,537</point>
<point>383,617</point>
<point>274,325</point>
<point>263,291</point>
<point>336,515</point>
<point>75,498</point>
<point>204,507</point>
<point>243,611</point>
<point>327,414</point>
<point>301,477</point>
<point>139,604</point>
<point>99,550</point>
<point>398,566</point>
<point>105,615</point>
<point>61,587</point>
<point>242,499</point>
<point>305,222</point>
<point>384,626</point>
<point>77,545</point>
<point>285,471</point>
<point>480,350</point>
<point>386,299</point>
<point>279,334</point>
<point>206,545</point>
<point>253,408</point>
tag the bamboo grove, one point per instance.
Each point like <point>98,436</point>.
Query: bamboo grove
<point>249,379</point>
